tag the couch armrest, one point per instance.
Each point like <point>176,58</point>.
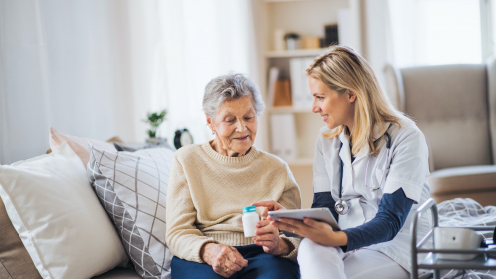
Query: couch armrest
<point>477,182</point>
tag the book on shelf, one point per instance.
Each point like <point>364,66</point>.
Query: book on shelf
<point>273,76</point>
<point>279,89</point>
<point>300,92</point>
<point>283,136</point>
<point>282,93</point>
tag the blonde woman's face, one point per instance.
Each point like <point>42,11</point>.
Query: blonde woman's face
<point>336,109</point>
<point>235,126</point>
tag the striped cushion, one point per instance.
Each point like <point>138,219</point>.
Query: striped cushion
<point>132,187</point>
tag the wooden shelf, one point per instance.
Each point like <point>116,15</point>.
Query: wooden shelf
<point>295,53</point>
<point>287,110</point>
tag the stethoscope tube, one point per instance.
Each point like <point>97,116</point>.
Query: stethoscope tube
<point>341,206</point>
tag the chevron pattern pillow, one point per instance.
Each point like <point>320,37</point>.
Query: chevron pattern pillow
<point>132,187</point>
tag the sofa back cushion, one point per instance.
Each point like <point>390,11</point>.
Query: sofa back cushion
<point>450,106</point>
<point>14,259</point>
<point>132,187</point>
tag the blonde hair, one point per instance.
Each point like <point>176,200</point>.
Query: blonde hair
<point>341,69</point>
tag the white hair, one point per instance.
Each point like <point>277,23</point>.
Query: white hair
<point>231,87</point>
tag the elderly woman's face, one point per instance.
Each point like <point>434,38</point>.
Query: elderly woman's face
<point>235,125</point>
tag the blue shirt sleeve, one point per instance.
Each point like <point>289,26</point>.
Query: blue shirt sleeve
<point>324,199</point>
<point>393,211</point>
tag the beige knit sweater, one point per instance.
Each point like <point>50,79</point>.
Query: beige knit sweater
<point>207,191</point>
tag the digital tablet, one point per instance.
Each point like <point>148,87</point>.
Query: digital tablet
<point>320,214</point>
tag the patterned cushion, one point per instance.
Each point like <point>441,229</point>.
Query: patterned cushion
<point>132,188</point>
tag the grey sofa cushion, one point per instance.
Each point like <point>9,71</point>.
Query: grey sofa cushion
<point>132,187</point>
<point>450,106</point>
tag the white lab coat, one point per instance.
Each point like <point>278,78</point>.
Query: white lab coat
<point>407,169</point>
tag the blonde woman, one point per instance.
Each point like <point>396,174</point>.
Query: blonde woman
<point>370,170</point>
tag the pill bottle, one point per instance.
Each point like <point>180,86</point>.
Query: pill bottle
<point>250,219</point>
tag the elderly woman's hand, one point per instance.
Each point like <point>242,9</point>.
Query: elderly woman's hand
<point>268,238</point>
<point>224,259</point>
<point>268,206</point>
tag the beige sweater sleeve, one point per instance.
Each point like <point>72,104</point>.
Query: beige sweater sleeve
<point>181,216</point>
<point>291,199</point>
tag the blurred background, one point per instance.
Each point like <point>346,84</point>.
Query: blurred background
<point>94,68</point>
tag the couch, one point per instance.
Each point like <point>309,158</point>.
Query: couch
<point>455,107</point>
<point>22,243</point>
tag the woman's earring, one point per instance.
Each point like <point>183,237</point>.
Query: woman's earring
<point>213,133</point>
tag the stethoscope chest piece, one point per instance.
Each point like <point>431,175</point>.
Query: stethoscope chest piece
<point>342,207</point>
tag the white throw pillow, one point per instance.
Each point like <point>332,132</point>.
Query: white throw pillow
<point>58,216</point>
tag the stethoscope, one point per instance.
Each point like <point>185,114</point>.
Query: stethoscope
<point>342,207</point>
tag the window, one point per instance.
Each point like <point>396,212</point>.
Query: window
<point>449,31</point>
<point>433,32</point>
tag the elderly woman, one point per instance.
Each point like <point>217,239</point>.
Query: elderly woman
<point>210,183</point>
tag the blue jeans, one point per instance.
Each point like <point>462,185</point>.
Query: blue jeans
<point>260,266</point>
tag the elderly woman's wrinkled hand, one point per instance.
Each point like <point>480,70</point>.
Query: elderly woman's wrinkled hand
<point>224,259</point>
<point>268,238</point>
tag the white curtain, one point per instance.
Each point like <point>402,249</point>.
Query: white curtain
<point>24,80</point>
<point>95,68</point>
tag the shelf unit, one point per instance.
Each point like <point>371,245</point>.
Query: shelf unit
<point>307,18</point>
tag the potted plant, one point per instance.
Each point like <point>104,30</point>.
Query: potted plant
<point>154,119</point>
